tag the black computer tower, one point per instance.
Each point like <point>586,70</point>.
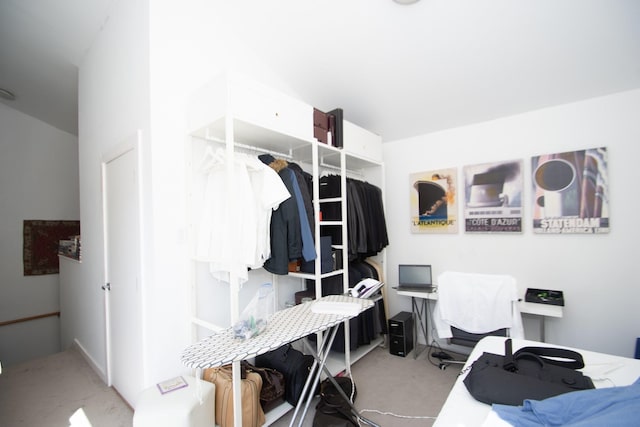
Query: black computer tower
<point>401,334</point>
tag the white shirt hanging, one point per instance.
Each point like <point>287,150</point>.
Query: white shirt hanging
<point>233,233</point>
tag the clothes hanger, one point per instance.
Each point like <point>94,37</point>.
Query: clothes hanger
<point>212,158</point>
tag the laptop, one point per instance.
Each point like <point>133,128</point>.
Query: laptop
<point>414,278</point>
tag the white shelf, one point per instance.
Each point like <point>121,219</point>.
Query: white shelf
<point>329,223</point>
<point>312,276</point>
<point>240,115</point>
<point>276,413</point>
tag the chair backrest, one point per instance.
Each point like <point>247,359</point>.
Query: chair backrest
<point>477,305</point>
<point>468,339</point>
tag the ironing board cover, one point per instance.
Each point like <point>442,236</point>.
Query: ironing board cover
<point>285,326</point>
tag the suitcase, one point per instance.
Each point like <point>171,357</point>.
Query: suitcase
<point>251,386</point>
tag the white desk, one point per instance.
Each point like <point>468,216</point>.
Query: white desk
<point>541,310</point>
<point>285,326</point>
<point>462,410</point>
<point>419,301</point>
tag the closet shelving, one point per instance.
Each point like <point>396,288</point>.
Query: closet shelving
<point>234,114</point>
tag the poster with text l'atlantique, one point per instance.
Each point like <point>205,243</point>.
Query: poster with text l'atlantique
<point>571,192</point>
<point>434,206</point>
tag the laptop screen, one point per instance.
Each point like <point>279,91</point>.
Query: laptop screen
<point>414,275</point>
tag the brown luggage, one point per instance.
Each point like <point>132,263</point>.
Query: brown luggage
<point>251,386</point>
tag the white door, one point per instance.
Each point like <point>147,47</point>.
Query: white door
<point>122,273</point>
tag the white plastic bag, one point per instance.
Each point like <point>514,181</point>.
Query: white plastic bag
<point>255,316</point>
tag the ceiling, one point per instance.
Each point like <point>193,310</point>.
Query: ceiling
<point>41,44</point>
<point>397,70</point>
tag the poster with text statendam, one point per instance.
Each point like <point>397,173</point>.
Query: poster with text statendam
<point>571,192</point>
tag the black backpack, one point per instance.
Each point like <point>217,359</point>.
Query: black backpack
<point>333,410</point>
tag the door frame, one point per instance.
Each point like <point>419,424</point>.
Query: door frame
<point>131,144</point>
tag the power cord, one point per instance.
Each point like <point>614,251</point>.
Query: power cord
<point>416,417</point>
<point>434,351</point>
<point>436,355</point>
<point>359,414</point>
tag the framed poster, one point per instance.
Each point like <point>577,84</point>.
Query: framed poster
<point>571,192</point>
<point>434,207</point>
<point>493,197</point>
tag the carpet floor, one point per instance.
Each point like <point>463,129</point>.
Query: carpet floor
<point>46,392</point>
<point>397,391</point>
<point>392,391</point>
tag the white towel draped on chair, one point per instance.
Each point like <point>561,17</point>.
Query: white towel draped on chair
<point>477,303</point>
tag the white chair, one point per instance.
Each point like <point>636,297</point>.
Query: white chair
<point>472,306</point>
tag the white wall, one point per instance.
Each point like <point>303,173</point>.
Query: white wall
<point>147,61</point>
<point>191,43</point>
<point>38,180</point>
<point>113,104</point>
<point>139,74</point>
<point>598,273</point>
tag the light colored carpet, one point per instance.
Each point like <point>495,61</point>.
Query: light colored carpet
<point>46,392</point>
<point>411,390</point>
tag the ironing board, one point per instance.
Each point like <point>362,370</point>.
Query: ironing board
<point>284,326</point>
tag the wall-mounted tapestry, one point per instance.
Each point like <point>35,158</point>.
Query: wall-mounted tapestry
<point>493,197</point>
<point>433,200</point>
<point>40,244</point>
<point>571,192</point>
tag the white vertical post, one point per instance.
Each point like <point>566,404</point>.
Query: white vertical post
<point>234,285</point>
<point>315,168</point>
<point>345,255</point>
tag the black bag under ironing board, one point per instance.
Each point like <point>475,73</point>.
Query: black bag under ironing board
<point>530,373</point>
<point>294,366</point>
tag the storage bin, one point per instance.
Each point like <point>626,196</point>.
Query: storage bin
<point>177,408</point>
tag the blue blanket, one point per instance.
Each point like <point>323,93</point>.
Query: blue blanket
<point>613,406</point>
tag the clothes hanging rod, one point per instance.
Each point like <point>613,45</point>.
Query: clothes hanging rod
<point>339,169</point>
<point>209,138</point>
<point>288,155</point>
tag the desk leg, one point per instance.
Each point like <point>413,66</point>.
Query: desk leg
<point>419,317</point>
<point>542,328</point>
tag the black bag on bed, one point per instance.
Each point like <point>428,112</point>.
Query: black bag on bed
<point>529,373</point>
<point>294,366</point>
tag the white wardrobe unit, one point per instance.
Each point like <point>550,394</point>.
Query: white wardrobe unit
<point>233,116</point>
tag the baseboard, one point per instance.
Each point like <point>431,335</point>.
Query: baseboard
<point>94,365</point>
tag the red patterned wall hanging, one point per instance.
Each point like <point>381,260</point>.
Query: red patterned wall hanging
<point>40,249</point>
